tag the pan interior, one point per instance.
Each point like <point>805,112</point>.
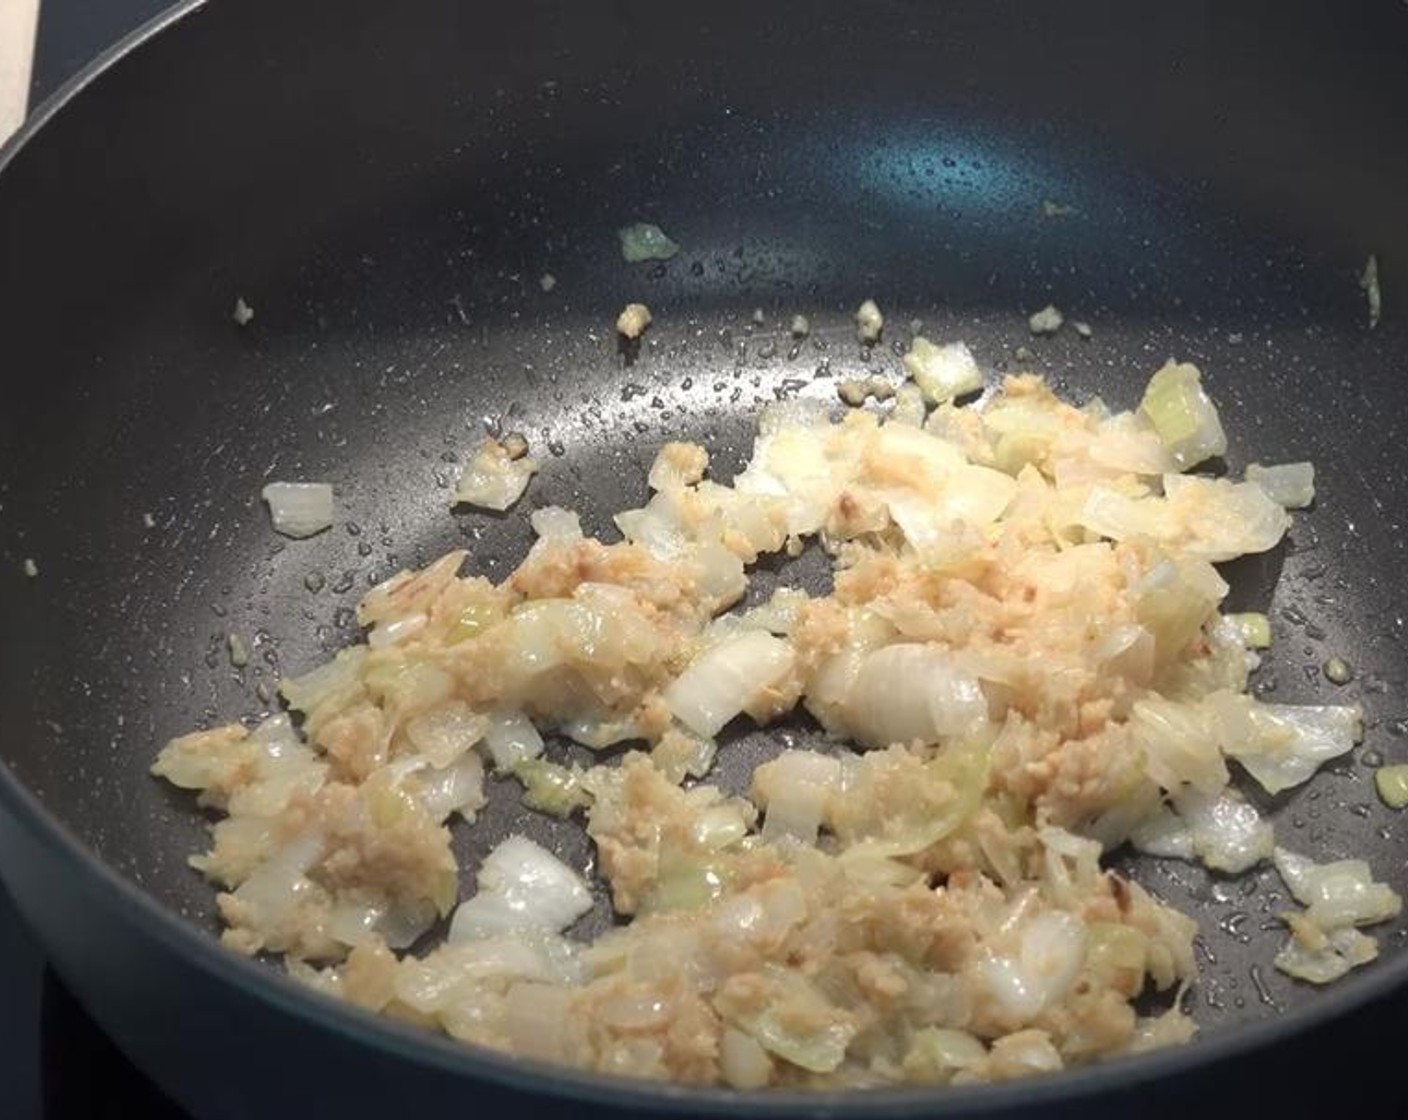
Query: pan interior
<point>388,336</point>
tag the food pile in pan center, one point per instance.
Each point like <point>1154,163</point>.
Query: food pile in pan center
<point>1021,667</point>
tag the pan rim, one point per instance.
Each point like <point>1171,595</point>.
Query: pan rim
<point>354,1025</point>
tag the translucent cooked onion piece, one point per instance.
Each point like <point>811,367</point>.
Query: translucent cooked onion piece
<point>511,739</point>
<point>1179,743</point>
<point>937,702</point>
<point>1228,833</point>
<point>1221,830</point>
<point>556,524</point>
<point>493,478</point>
<point>793,790</point>
<point>1342,893</point>
<point>299,509</point>
<point>726,679</point>
<point>1205,518</point>
<point>942,372</point>
<point>521,886</point>
<point>1291,485</point>
<point>456,788</point>
<point>796,1022</point>
<point>442,735</point>
<point>1322,958</point>
<point>1178,408</point>
<point>1282,745</point>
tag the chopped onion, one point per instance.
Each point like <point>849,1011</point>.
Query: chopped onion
<point>869,322</point>
<point>942,372</point>
<point>938,701</point>
<point>1342,950</point>
<point>1220,520</point>
<point>1052,953</point>
<point>1179,745</point>
<point>1046,321</point>
<point>1337,894</point>
<point>720,826</point>
<point>726,679</point>
<point>1282,745</point>
<point>278,886</point>
<point>1164,834</point>
<point>457,788</point>
<point>1291,485</point>
<point>521,886</point>
<point>327,683</point>
<point>1172,1028</point>
<point>1228,833</point>
<point>493,479</point>
<point>404,923</point>
<point>742,1061</point>
<point>677,465</point>
<point>511,738</point>
<point>1183,415</point>
<point>1013,994</point>
<point>793,789</point>
<point>556,524</point>
<point>443,734</point>
<point>936,1053</point>
<point>680,755</point>
<point>395,631</point>
<point>1024,1053</point>
<point>551,788</point>
<point>299,509</point>
<point>908,408</point>
<point>798,1023</point>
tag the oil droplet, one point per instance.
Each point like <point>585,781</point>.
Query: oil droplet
<point>1234,925</point>
<point>1263,993</point>
<point>1338,671</point>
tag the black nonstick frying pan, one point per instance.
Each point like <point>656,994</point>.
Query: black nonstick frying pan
<point>385,185</point>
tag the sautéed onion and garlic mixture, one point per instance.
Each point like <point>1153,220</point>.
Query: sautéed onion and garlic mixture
<point>1021,667</point>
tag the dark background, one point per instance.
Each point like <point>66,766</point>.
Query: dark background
<point>71,32</point>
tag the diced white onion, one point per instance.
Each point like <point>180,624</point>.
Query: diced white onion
<point>937,702</point>
<point>942,372</point>
<point>1228,833</point>
<point>511,737</point>
<point>1343,950</point>
<point>396,630</point>
<point>1342,893</point>
<point>1183,415</point>
<point>556,524</point>
<point>1291,485</point>
<point>742,1061</point>
<point>457,788</point>
<point>1282,745</point>
<point>726,679</point>
<point>521,886</point>
<point>299,509</point>
<point>493,479</point>
<point>443,734</point>
<point>1164,834</point>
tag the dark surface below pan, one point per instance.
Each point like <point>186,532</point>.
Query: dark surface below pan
<point>386,188</point>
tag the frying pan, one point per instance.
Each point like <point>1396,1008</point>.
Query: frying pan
<point>386,184</point>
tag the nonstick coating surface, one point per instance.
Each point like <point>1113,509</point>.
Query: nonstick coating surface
<point>391,244</point>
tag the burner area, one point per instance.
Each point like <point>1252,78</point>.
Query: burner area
<point>83,1075</point>
<point>57,1064</point>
